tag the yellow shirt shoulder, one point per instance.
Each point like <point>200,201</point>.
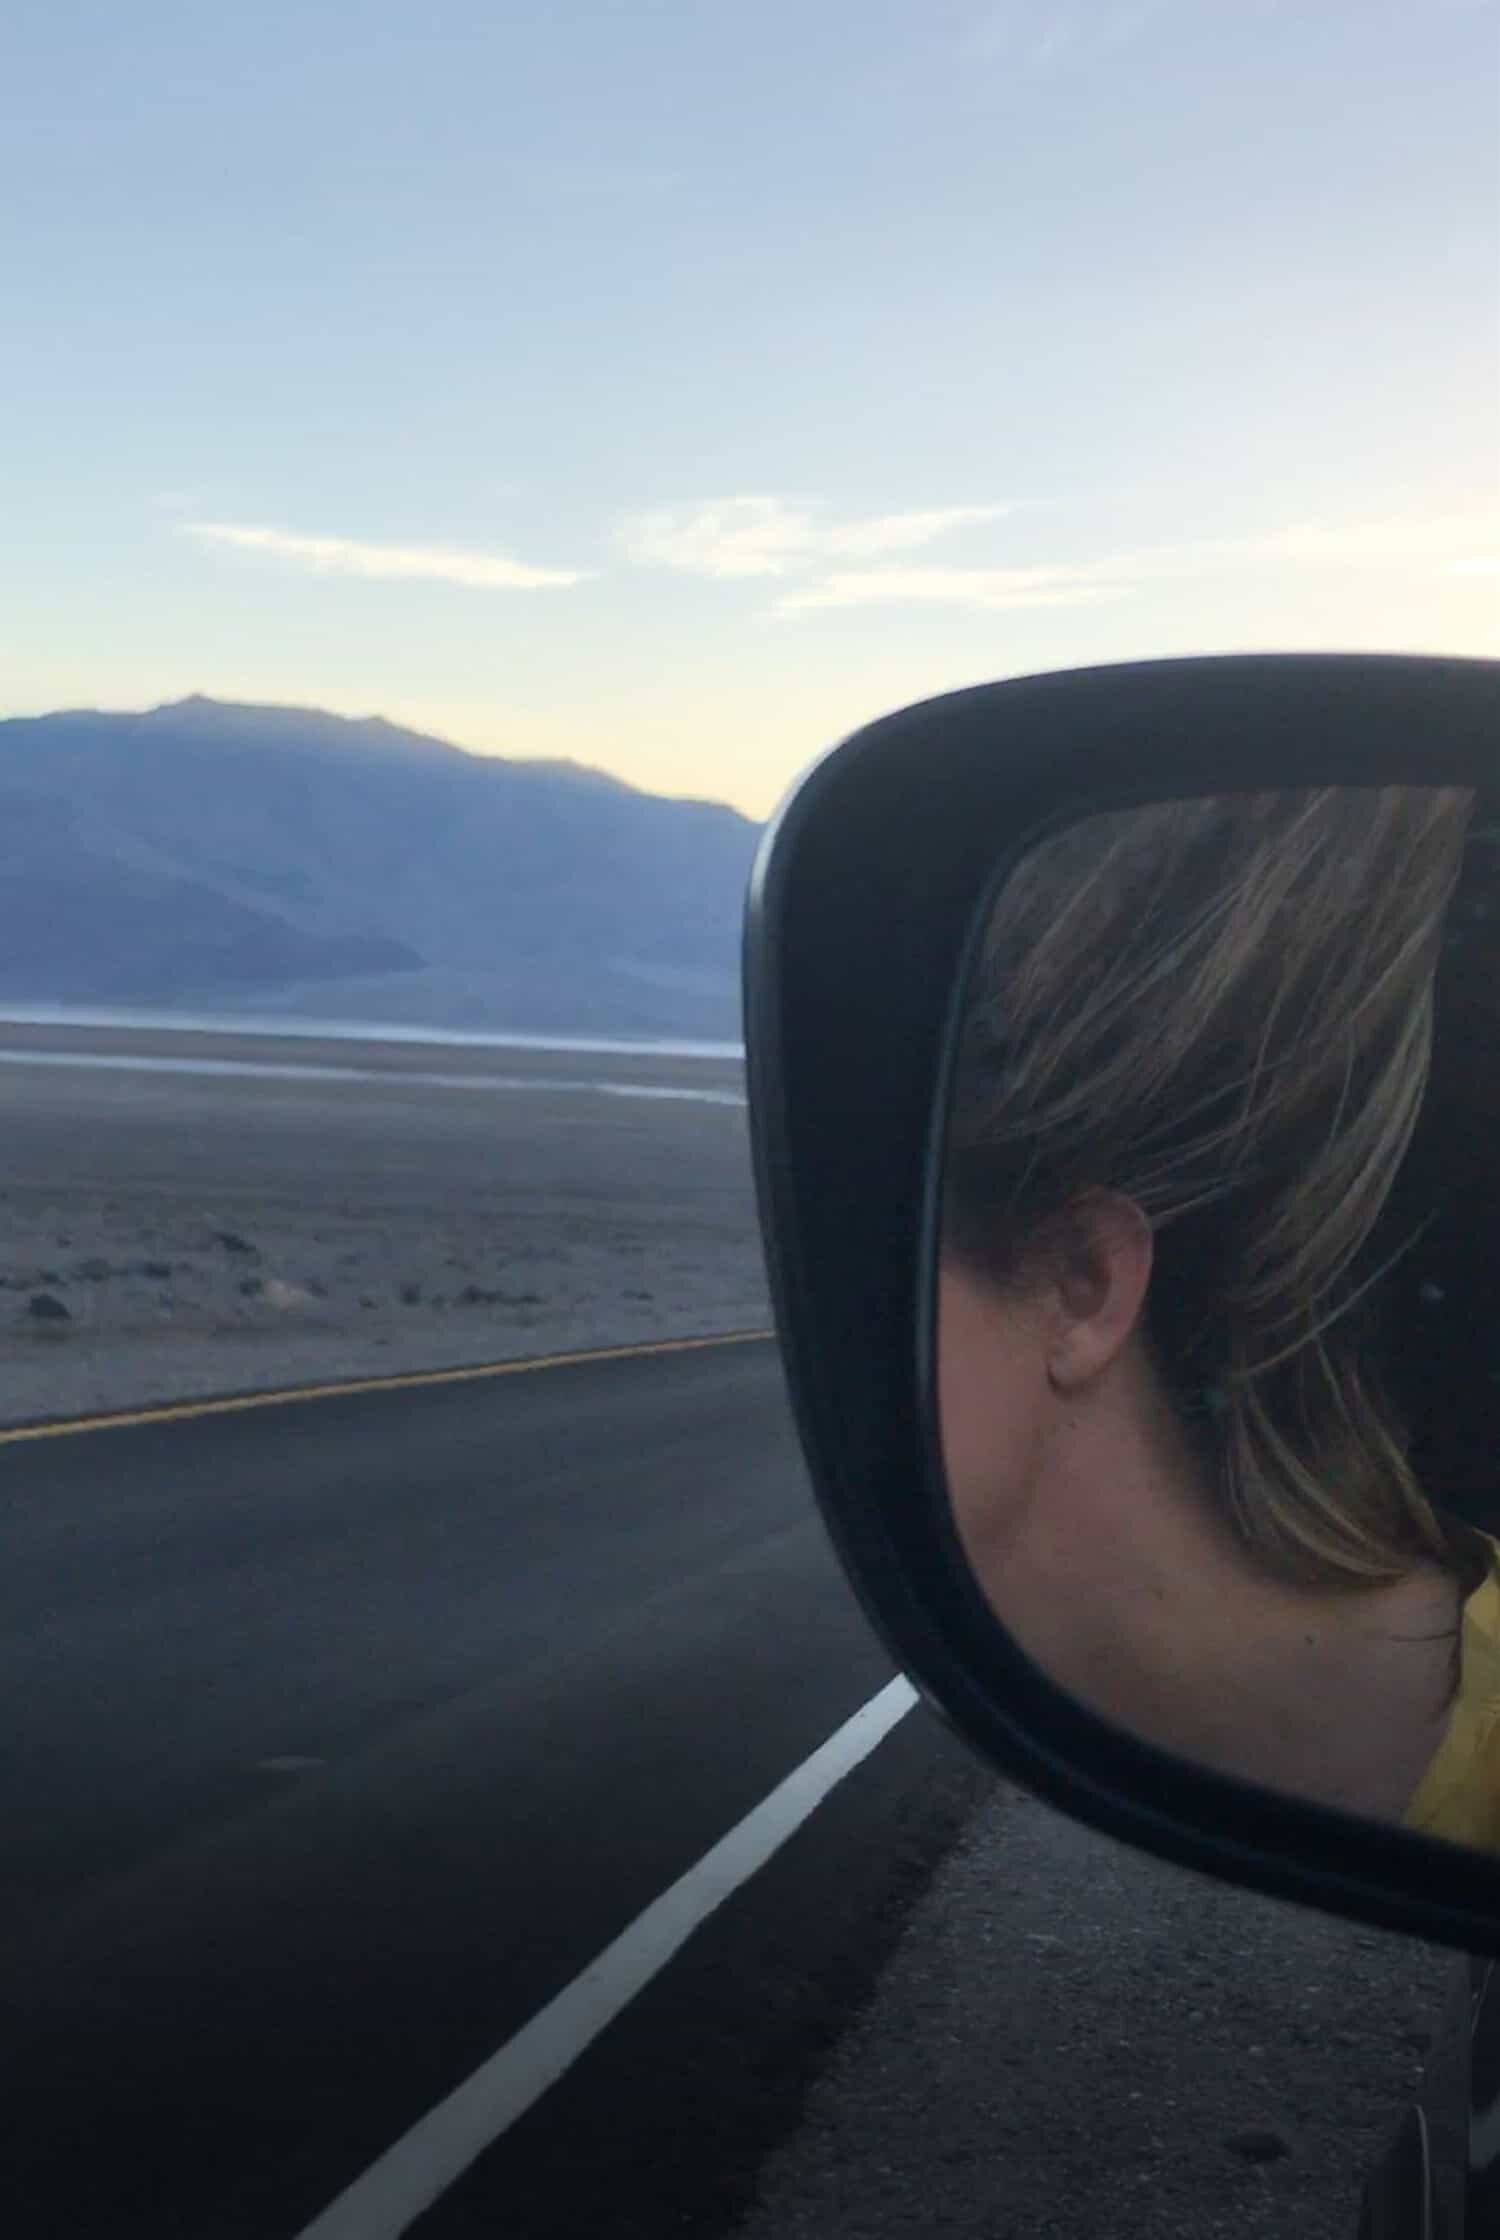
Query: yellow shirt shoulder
<point>1458,1797</point>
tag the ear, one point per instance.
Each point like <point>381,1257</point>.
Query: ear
<point>1100,1273</point>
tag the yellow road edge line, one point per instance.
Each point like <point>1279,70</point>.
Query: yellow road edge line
<point>239,1403</point>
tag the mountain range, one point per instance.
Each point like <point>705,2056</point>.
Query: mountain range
<point>208,856</point>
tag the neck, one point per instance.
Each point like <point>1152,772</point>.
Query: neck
<point>1127,1589</point>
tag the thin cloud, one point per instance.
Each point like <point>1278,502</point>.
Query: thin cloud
<point>730,537</point>
<point>998,590</point>
<point>1053,35</point>
<point>768,536</point>
<point>903,532</point>
<point>1440,542</point>
<point>349,556</point>
<point>1441,539</point>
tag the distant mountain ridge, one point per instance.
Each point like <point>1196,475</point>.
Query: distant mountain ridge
<point>207,855</point>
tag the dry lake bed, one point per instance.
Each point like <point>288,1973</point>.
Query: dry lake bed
<point>208,1210</point>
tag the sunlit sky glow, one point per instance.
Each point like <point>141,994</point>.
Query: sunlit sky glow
<point>676,386</point>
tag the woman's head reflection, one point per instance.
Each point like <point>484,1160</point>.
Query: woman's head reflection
<point>1192,1064</point>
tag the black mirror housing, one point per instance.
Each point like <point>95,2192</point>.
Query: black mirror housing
<point>861,918</point>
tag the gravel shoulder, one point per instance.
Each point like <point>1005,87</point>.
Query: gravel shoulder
<point>1073,2040</point>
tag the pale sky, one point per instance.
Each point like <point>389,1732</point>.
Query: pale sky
<point>675,385</point>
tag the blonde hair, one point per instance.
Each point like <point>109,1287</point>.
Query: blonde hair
<point>1223,1010</point>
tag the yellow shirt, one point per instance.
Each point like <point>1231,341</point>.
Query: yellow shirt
<point>1459,1795</point>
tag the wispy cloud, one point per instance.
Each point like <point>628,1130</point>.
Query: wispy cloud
<point>1422,544</point>
<point>1052,35</point>
<point>766,536</point>
<point>903,532</point>
<point>1440,539</point>
<point>1054,38</point>
<point>350,556</point>
<point>996,589</point>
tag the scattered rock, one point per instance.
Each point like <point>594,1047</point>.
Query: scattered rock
<point>251,1287</point>
<point>157,1271</point>
<point>411,1294</point>
<point>43,1307</point>
<point>367,1304</point>
<point>1257,2146</point>
<point>290,1297</point>
<point>232,1241</point>
<point>94,1271</point>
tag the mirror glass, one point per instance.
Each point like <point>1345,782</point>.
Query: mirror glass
<point>1218,1318</point>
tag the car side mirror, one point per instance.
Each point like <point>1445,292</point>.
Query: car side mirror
<point>1124,1053</point>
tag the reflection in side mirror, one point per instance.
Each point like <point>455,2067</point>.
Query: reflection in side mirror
<point>1217,1433</point>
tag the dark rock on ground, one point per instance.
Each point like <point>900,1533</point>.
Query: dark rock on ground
<point>1258,2146</point>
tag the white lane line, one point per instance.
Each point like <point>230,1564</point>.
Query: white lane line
<point>435,2153</point>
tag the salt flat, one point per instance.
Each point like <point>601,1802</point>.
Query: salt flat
<point>192,1212</point>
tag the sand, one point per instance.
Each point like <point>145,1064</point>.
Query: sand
<point>184,1214</point>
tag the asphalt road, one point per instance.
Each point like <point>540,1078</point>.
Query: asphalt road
<point>340,1736</point>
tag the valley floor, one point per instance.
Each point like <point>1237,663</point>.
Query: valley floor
<point>186,1214</point>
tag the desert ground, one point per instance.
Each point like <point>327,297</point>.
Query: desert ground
<point>185,1213</point>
